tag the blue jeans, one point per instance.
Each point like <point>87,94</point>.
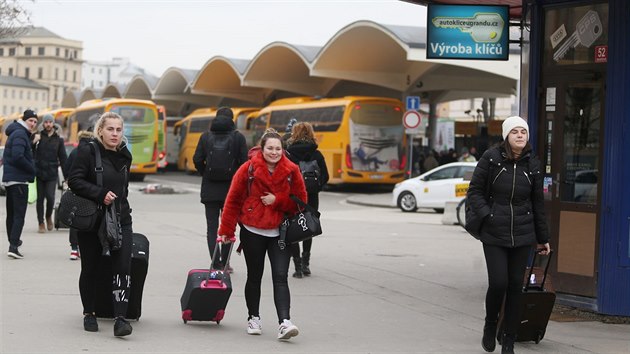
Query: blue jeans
<point>17,201</point>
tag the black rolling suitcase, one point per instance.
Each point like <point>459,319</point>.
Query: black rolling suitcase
<point>207,293</point>
<point>139,269</point>
<point>537,303</point>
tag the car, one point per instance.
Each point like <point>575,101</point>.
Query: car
<point>434,188</point>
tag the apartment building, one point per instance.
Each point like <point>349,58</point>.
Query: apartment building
<point>18,94</point>
<point>43,57</point>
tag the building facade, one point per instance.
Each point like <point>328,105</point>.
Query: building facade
<point>18,94</point>
<point>45,58</point>
<point>98,74</point>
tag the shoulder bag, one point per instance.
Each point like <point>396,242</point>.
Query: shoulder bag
<point>301,226</point>
<point>81,213</point>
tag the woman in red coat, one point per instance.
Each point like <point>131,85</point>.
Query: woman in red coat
<point>258,201</point>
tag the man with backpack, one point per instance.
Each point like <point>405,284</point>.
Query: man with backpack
<point>219,153</point>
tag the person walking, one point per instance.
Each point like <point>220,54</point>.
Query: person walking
<point>258,200</point>
<point>302,147</point>
<point>19,171</point>
<point>507,190</point>
<point>466,156</point>
<point>50,153</point>
<point>116,161</point>
<point>219,154</point>
<point>84,138</point>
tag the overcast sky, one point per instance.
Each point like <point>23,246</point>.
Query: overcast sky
<point>158,34</point>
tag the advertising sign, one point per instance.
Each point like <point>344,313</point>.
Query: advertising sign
<point>468,32</point>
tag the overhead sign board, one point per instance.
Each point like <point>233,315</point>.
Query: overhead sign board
<point>468,32</point>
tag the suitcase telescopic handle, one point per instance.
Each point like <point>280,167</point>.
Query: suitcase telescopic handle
<point>215,254</point>
<point>531,270</point>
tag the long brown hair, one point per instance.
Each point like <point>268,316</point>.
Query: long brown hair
<point>302,131</point>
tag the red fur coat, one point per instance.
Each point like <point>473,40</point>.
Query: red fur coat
<point>248,208</point>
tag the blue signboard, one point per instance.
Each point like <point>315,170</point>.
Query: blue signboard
<point>413,103</point>
<point>468,32</point>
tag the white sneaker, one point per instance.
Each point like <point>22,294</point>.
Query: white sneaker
<point>254,325</point>
<point>287,330</point>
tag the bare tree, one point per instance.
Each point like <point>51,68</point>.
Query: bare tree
<point>14,19</point>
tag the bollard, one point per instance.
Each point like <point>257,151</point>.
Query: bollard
<point>450,213</point>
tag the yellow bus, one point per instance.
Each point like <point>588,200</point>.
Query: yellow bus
<point>361,138</point>
<point>141,128</point>
<point>189,130</point>
<point>161,137</point>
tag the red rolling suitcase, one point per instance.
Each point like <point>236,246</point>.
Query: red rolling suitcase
<point>207,293</point>
<point>537,302</point>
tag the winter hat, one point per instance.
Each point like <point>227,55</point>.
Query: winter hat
<point>514,122</point>
<point>28,114</point>
<point>48,117</point>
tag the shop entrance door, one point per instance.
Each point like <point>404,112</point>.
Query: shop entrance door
<point>572,137</point>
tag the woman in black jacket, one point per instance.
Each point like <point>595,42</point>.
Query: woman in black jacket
<point>302,147</point>
<point>116,160</point>
<point>507,191</point>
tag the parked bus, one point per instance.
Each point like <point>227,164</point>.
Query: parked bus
<point>242,117</point>
<point>361,138</point>
<point>141,128</point>
<point>190,128</point>
<point>161,146</point>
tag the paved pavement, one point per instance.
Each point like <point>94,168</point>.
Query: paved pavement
<point>384,282</point>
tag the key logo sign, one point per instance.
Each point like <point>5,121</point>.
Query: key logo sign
<point>468,32</point>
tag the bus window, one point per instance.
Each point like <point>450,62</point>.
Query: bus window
<point>258,125</point>
<point>241,120</point>
<point>323,119</point>
<point>86,119</point>
<point>200,125</point>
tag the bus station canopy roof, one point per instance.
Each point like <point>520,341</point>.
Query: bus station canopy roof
<point>363,58</point>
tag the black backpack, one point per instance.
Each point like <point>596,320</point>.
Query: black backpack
<point>311,174</point>
<point>220,159</point>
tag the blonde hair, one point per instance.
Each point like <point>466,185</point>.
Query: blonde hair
<point>302,131</point>
<point>100,123</point>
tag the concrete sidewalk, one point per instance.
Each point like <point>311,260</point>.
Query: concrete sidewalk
<point>383,282</point>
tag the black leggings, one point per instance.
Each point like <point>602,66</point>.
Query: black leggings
<point>255,247</point>
<point>45,191</point>
<point>91,263</point>
<point>506,272</point>
<point>313,200</point>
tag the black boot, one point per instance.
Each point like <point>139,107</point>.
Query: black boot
<point>507,344</point>
<point>488,343</point>
<point>298,267</point>
<point>306,258</point>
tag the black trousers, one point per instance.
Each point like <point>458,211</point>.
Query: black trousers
<point>17,201</point>
<point>91,264</point>
<point>45,190</point>
<point>254,248</point>
<point>73,237</point>
<point>506,272</point>
<point>313,200</point>
<point>213,211</point>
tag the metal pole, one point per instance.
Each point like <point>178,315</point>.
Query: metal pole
<point>410,155</point>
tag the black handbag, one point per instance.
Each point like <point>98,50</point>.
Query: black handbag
<point>81,213</point>
<point>301,226</point>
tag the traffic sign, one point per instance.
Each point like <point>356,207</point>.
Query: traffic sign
<point>412,119</point>
<point>413,103</point>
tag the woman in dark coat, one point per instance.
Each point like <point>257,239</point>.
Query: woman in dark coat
<point>507,191</point>
<point>302,147</point>
<point>116,160</point>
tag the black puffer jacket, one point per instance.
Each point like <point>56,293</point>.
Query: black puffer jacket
<point>216,191</point>
<point>307,151</point>
<point>513,210</point>
<point>116,165</point>
<point>50,153</point>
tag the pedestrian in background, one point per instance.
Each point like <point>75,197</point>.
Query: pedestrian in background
<point>19,171</point>
<point>116,160</point>
<point>219,154</point>
<point>507,189</point>
<point>465,156</point>
<point>258,201</point>
<point>287,132</point>
<point>431,162</point>
<point>50,153</point>
<point>303,147</point>
<point>84,138</point>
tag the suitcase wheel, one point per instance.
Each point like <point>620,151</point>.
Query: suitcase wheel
<point>185,321</point>
<point>540,336</point>
<point>218,322</point>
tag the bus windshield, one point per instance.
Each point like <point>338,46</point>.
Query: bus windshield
<point>323,119</point>
<point>376,137</point>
